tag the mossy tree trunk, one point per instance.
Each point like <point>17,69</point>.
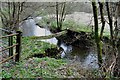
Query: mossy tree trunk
<point>97,38</point>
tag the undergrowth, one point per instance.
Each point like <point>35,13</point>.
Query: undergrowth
<point>31,47</point>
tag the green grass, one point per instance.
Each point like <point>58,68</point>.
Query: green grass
<point>34,67</point>
<point>46,68</point>
<point>72,25</point>
<point>39,67</point>
<point>76,27</point>
<point>69,24</point>
<point>81,27</point>
<point>33,46</point>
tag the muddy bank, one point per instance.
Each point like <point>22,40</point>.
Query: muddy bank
<point>50,52</point>
<point>78,39</point>
<point>79,47</point>
<point>67,42</point>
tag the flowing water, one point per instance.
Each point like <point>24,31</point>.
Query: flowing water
<point>87,57</point>
<point>29,28</point>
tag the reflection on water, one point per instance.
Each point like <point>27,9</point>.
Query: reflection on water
<point>87,57</point>
<point>90,61</point>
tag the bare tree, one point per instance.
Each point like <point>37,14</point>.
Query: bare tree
<point>60,14</point>
<point>117,32</point>
<point>13,13</point>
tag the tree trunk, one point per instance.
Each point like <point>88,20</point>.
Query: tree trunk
<point>117,23</point>
<point>117,66</point>
<point>57,14</point>
<point>60,15</point>
<point>110,23</point>
<point>11,20</point>
<point>97,39</point>
<point>102,19</point>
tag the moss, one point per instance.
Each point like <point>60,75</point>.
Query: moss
<point>31,47</point>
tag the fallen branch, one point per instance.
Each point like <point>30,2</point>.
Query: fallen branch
<point>49,36</point>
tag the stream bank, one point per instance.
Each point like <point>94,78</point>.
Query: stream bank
<point>76,46</point>
<point>77,58</point>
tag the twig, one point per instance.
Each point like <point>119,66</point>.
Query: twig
<point>8,58</point>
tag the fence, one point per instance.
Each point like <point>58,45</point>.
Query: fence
<point>11,45</point>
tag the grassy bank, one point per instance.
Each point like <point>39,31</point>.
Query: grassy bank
<point>31,47</point>
<point>33,68</point>
<point>46,67</point>
<point>29,66</point>
<point>72,25</point>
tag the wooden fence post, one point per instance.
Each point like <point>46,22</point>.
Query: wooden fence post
<point>10,41</point>
<point>18,47</point>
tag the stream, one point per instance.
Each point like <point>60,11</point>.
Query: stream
<point>87,57</point>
